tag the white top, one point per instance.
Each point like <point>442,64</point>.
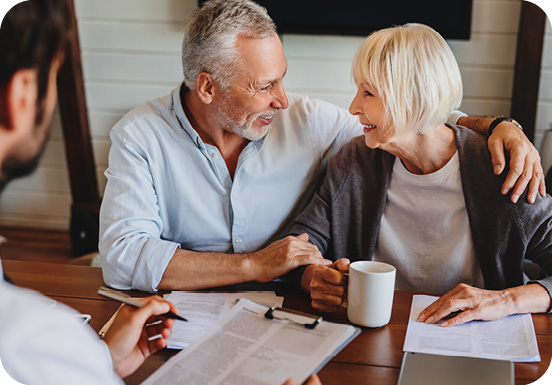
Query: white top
<point>423,211</point>
<point>42,342</point>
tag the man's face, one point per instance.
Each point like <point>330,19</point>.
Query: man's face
<point>257,92</point>
<point>23,157</point>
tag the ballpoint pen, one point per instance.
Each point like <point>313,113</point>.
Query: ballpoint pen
<point>125,298</point>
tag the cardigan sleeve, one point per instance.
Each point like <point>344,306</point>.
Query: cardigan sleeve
<point>535,226</point>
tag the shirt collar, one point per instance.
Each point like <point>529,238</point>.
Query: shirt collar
<point>183,119</point>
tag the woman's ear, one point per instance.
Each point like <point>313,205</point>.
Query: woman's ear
<point>18,100</point>
<point>205,87</point>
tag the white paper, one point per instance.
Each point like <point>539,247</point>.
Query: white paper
<point>204,309</point>
<point>511,338</point>
<point>244,347</point>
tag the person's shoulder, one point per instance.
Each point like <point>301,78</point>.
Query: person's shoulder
<point>297,101</point>
<point>317,117</point>
<point>355,152</point>
<point>467,136</point>
<point>144,114</point>
<point>357,148</point>
<point>148,110</point>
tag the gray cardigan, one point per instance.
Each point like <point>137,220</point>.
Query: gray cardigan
<point>343,219</point>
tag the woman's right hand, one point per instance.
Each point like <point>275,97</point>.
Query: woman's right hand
<point>327,285</point>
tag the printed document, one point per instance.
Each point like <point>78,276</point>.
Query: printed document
<point>244,347</point>
<point>511,338</point>
<point>204,309</point>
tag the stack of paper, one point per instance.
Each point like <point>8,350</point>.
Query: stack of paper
<point>511,338</point>
<point>204,309</point>
<point>245,347</point>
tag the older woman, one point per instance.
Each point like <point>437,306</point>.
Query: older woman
<point>421,195</point>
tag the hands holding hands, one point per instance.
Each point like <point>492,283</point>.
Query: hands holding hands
<point>283,256</point>
<point>327,285</point>
<point>128,338</point>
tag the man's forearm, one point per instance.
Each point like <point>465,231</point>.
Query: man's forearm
<point>478,124</point>
<point>191,270</point>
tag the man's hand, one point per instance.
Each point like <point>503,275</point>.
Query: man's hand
<point>128,336</point>
<point>284,255</point>
<point>327,285</point>
<point>466,303</point>
<point>525,165</point>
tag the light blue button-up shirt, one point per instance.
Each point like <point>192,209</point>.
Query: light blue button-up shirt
<point>166,188</point>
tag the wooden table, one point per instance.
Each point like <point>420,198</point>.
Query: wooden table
<point>374,357</point>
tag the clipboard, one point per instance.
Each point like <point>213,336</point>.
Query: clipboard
<point>283,342</point>
<point>270,314</point>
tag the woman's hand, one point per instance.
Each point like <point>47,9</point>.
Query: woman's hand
<point>326,284</point>
<point>478,304</point>
<point>128,338</point>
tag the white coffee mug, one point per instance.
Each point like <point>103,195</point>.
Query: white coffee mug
<point>371,289</point>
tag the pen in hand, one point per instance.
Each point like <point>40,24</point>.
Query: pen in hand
<point>126,299</point>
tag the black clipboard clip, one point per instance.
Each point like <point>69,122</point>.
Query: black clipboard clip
<point>270,315</point>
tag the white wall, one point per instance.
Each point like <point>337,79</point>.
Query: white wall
<point>131,53</point>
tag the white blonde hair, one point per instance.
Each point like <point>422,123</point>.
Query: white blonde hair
<point>413,70</point>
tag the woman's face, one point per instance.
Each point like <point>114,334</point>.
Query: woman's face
<point>368,105</point>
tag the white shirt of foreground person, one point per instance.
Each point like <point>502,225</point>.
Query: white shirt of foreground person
<point>44,343</point>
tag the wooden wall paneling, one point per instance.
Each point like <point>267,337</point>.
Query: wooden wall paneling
<point>528,67</point>
<point>78,148</point>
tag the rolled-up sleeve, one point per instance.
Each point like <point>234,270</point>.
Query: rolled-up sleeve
<point>133,255</point>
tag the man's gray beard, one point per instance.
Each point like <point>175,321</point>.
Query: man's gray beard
<point>244,131</point>
<point>249,133</point>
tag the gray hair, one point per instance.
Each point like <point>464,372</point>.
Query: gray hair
<point>211,34</point>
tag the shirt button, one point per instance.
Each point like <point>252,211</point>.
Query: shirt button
<point>215,155</point>
<point>238,241</point>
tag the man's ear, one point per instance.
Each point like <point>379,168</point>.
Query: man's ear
<point>205,87</point>
<point>19,100</point>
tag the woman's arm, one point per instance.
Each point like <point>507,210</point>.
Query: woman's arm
<point>486,305</point>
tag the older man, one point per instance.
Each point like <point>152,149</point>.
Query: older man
<point>202,183</point>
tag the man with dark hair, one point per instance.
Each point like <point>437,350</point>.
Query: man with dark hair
<point>40,344</point>
<point>28,55</point>
<point>203,183</point>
